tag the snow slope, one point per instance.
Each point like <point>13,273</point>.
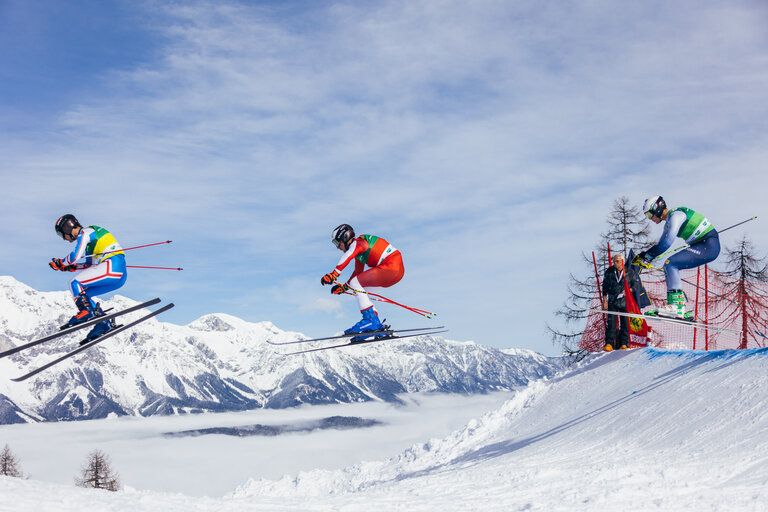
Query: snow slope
<point>639,430</point>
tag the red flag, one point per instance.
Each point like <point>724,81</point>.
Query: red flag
<point>637,326</point>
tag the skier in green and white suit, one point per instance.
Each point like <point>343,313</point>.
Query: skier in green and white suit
<point>703,247</point>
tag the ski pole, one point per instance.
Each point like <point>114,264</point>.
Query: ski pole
<point>381,298</point>
<point>718,232</point>
<point>131,248</point>
<point>81,266</point>
<point>157,268</point>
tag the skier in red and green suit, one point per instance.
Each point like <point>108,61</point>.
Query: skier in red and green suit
<point>104,269</point>
<point>386,269</point>
<point>703,247</point>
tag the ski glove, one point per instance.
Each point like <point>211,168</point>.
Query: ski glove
<point>338,289</point>
<point>329,278</point>
<point>643,260</point>
<point>57,264</point>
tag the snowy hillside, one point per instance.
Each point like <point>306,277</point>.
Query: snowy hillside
<point>639,430</point>
<point>222,363</point>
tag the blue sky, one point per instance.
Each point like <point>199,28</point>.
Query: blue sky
<point>486,141</point>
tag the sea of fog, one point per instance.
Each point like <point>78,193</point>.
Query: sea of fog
<point>212,454</point>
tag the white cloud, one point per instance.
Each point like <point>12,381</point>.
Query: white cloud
<point>479,137</point>
<point>324,306</point>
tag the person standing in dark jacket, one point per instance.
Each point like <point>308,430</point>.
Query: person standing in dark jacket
<point>616,336</point>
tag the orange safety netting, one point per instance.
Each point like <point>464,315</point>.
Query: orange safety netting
<point>739,308</point>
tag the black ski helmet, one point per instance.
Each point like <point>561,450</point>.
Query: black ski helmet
<point>343,234</point>
<point>654,207</point>
<point>66,224</point>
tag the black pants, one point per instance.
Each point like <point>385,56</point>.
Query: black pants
<point>617,325</point>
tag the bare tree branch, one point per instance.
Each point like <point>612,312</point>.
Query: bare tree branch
<point>97,473</point>
<point>627,227</point>
<point>9,464</point>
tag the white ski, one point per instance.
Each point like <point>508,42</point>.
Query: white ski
<point>678,321</point>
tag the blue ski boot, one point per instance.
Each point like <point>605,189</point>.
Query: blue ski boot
<point>99,330</point>
<point>370,322</point>
<point>87,310</point>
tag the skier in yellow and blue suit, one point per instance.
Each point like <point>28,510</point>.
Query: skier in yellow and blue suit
<point>104,266</point>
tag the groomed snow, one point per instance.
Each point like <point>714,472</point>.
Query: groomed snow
<point>638,430</point>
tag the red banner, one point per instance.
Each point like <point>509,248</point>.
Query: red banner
<point>637,326</point>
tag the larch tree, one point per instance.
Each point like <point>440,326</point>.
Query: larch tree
<point>627,228</point>
<point>9,464</point>
<point>97,473</point>
<point>745,296</point>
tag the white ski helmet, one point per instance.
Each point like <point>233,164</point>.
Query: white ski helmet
<point>654,207</point>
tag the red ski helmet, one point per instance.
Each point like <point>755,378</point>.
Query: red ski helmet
<point>66,224</point>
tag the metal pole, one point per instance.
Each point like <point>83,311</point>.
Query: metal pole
<point>130,248</point>
<point>599,290</point>
<point>718,232</point>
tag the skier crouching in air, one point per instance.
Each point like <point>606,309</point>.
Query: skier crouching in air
<point>104,269</point>
<point>386,264</point>
<point>703,247</point>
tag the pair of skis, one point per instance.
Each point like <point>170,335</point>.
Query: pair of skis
<point>366,337</point>
<point>86,343</point>
<point>673,320</point>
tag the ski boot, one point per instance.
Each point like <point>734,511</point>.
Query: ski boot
<point>87,311</point>
<point>675,307</point>
<point>370,322</point>
<point>99,330</point>
<point>608,348</point>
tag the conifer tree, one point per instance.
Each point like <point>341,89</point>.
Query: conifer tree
<point>97,473</point>
<point>9,464</point>
<point>627,228</point>
<point>746,303</point>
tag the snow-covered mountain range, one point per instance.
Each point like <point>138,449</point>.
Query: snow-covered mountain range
<point>222,363</point>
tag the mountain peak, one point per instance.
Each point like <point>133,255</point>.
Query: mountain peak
<point>222,363</point>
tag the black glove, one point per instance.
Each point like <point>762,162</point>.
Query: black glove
<point>338,289</point>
